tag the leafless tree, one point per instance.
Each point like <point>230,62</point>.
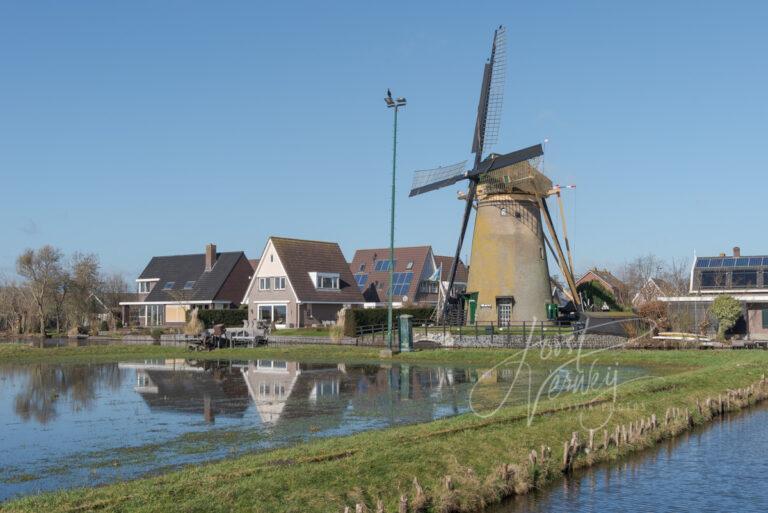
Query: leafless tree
<point>41,268</point>
<point>85,281</point>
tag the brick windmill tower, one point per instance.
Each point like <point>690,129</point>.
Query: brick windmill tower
<point>508,274</point>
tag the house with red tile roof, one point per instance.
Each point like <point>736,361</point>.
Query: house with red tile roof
<point>419,276</point>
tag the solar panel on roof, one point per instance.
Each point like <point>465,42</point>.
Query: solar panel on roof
<point>715,262</point>
<point>702,262</point>
<point>755,261</point>
<point>742,262</point>
<point>728,262</point>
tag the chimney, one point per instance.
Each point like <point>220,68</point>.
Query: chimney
<point>210,256</point>
<point>736,251</point>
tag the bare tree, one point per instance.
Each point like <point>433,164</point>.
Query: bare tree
<point>41,269</point>
<point>678,274</point>
<point>85,280</point>
<point>113,290</point>
<point>636,273</point>
<point>59,296</point>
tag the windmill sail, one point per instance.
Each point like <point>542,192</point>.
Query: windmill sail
<point>431,179</point>
<point>491,96</point>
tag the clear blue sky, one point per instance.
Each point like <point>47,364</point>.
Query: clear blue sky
<point>139,128</point>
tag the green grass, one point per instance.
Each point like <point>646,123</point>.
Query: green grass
<point>303,332</point>
<point>327,474</point>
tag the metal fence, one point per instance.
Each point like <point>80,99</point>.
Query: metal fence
<point>422,328</point>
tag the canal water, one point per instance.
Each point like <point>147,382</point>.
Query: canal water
<point>67,425</point>
<point>720,467</point>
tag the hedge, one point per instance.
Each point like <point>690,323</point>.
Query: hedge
<point>378,316</point>
<point>232,318</point>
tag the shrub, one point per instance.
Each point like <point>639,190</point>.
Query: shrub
<point>727,311</point>
<point>655,312</point>
<point>229,318</point>
<point>156,333</point>
<point>378,316</point>
<point>104,326</point>
<point>194,325</point>
<point>597,295</point>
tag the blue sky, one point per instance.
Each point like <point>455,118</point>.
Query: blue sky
<point>140,128</point>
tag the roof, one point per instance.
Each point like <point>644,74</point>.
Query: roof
<point>181,269</point>
<point>301,257</point>
<point>409,261</point>
<point>254,263</point>
<point>605,276</point>
<point>664,286</point>
<point>462,273</point>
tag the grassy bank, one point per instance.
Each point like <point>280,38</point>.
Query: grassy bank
<point>485,458</point>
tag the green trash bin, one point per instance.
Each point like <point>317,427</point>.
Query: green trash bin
<point>405,331</point>
<point>552,311</point>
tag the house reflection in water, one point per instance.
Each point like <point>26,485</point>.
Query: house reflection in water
<point>208,389</point>
<point>300,396</point>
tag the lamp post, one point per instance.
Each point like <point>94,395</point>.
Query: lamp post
<point>392,104</point>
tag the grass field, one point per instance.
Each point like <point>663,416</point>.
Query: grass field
<point>327,475</point>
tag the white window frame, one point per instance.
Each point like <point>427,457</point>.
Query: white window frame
<point>265,281</point>
<point>271,307</point>
<point>279,283</point>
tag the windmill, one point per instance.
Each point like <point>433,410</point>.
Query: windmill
<point>509,275</point>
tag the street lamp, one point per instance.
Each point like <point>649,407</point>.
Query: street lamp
<point>392,104</point>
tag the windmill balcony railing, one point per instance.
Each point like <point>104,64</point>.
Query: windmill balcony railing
<point>426,327</point>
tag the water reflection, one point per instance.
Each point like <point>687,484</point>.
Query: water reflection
<point>47,386</point>
<point>87,424</point>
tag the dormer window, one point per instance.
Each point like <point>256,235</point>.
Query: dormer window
<point>325,281</point>
<point>169,285</point>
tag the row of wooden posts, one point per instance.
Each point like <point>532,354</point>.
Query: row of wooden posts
<point>676,420</point>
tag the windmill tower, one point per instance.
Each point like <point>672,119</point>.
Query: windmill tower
<point>508,273</point>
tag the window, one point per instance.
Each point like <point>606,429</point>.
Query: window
<point>273,314</point>
<point>361,279</point>
<point>383,265</point>
<point>765,318</point>
<point>265,283</point>
<point>279,314</point>
<point>361,268</point>
<point>428,287</point>
<point>280,283</point>
<point>712,279</point>
<point>401,282</point>
<point>145,287</point>
<point>327,282</point>
<point>189,285</point>
<point>746,279</point>
<point>169,285</point>
<point>409,265</point>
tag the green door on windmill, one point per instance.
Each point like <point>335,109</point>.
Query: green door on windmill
<point>472,301</point>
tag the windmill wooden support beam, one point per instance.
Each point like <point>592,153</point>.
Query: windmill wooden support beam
<point>561,257</point>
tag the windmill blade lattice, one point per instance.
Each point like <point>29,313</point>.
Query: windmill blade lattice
<point>496,90</point>
<point>427,180</point>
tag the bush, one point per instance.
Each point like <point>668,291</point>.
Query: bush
<point>727,311</point>
<point>104,326</point>
<point>597,295</point>
<point>655,312</point>
<point>229,318</point>
<point>156,333</point>
<point>378,316</point>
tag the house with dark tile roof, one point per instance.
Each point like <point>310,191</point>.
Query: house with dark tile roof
<point>420,276</point>
<point>171,285</point>
<point>300,283</point>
